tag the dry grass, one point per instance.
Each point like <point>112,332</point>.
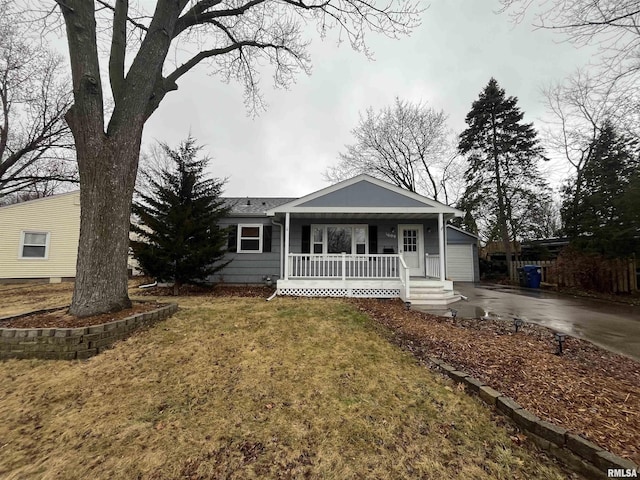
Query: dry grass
<point>238,388</point>
<point>27,297</point>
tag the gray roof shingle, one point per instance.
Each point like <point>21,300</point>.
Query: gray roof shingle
<point>253,206</point>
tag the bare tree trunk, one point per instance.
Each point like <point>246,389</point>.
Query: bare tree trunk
<point>107,177</point>
<point>502,214</point>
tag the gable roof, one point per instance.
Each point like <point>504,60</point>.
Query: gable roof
<point>463,232</point>
<point>39,200</point>
<point>364,194</point>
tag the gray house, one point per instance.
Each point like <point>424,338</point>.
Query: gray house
<point>362,237</point>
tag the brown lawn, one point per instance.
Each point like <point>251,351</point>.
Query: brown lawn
<point>240,388</point>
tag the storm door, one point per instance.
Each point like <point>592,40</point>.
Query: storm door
<point>411,247</point>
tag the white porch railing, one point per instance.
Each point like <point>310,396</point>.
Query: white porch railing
<point>432,265</point>
<point>304,265</point>
<point>405,279</point>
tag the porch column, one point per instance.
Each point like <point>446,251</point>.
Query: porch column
<point>441,247</point>
<point>287,221</point>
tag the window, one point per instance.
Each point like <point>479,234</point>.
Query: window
<point>410,240</point>
<point>317,238</point>
<point>337,239</point>
<point>34,245</point>
<point>250,238</point>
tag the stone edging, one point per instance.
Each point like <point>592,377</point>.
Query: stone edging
<point>74,343</point>
<point>576,452</point>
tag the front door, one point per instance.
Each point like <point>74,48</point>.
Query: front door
<point>411,248</point>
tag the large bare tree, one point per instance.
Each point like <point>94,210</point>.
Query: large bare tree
<point>35,141</point>
<point>407,144</point>
<point>236,39</point>
<point>579,108</point>
<point>613,26</point>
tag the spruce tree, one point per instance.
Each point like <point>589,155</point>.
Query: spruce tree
<point>503,181</point>
<point>600,213</point>
<point>176,219</point>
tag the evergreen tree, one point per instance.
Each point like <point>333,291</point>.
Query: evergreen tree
<point>176,220</point>
<point>600,209</point>
<point>504,185</point>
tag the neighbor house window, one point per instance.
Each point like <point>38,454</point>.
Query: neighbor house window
<point>34,245</point>
<point>250,238</point>
<point>339,238</point>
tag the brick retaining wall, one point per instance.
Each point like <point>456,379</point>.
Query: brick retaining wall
<point>574,451</point>
<point>74,343</point>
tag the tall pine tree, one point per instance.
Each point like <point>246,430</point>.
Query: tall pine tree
<point>600,208</point>
<point>504,184</point>
<point>176,220</point>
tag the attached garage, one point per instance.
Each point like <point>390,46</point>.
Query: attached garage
<point>462,255</point>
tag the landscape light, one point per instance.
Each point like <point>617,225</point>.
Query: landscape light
<point>407,305</point>
<point>454,313</point>
<point>560,337</point>
<point>517,323</point>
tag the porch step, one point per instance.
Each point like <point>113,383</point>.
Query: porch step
<point>431,295</point>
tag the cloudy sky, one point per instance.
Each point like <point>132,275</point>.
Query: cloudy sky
<point>446,62</point>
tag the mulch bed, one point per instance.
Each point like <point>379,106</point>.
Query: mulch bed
<point>217,290</point>
<point>588,390</point>
<point>61,319</point>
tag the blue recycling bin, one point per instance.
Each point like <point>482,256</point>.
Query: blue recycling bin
<point>533,276</point>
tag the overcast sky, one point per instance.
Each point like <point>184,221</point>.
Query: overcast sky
<point>446,62</point>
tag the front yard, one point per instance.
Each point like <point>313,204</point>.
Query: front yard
<point>241,388</point>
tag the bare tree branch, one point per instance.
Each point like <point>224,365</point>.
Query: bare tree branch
<point>407,144</point>
<point>118,48</point>
<point>33,99</point>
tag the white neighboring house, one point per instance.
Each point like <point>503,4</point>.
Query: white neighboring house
<point>39,239</point>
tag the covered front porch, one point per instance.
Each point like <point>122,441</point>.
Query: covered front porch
<point>414,272</point>
<point>343,245</point>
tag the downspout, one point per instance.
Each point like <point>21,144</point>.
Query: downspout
<point>287,225</point>
<point>441,247</point>
<point>281,245</point>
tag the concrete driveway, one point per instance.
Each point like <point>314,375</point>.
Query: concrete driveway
<point>612,326</point>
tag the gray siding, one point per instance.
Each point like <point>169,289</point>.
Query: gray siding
<point>363,194</point>
<point>456,237</point>
<point>251,268</point>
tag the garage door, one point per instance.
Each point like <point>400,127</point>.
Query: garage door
<point>460,263</point>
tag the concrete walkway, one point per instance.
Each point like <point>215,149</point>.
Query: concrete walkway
<point>613,326</point>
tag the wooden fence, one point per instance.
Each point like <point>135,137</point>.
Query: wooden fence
<point>586,272</point>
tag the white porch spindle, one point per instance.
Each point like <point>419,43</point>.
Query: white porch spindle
<point>287,222</point>
<point>432,265</point>
<point>441,247</point>
<point>343,266</point>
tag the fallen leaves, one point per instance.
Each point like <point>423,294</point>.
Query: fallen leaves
<point>588,390</point>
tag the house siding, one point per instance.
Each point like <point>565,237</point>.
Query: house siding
<point>363,194</point>
<point>250,268</point>
<point>60,216</point>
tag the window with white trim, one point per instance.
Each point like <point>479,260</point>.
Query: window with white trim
<point>317,239</point>
<point>34,245</point>
<point>339,238</point>
<point>250,238</point>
